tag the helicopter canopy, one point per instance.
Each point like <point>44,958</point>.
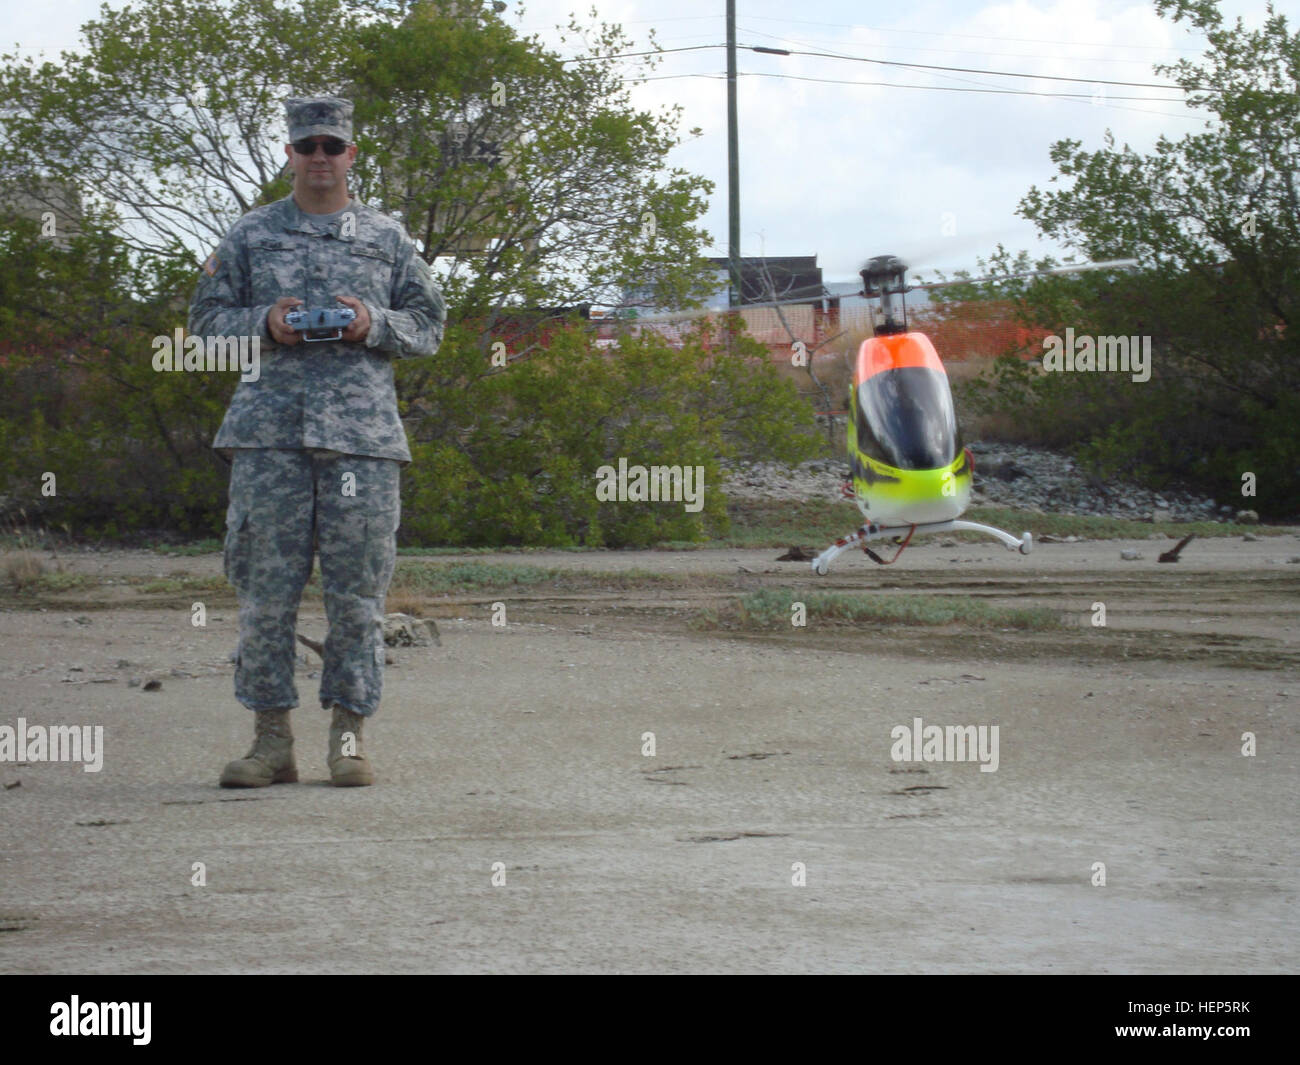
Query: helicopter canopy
<point>905,418</point>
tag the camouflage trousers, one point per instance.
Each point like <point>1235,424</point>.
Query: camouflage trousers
<point>283,504</point>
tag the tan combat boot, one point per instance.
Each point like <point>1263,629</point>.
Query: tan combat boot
<point>271,759</point>
<point>349,767</point>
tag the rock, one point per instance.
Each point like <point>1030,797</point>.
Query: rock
<point>1161,514</point>
<point>1008,471</point>
<point>1247,517</point>
<point>1130,555</point>
<point>402,630</point>
<point>1250,538</point>
<point>1044,481</point>
<point>153,685</point>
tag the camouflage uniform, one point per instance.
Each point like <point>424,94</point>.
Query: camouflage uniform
<point>279,498</point>
<point>318,412</point>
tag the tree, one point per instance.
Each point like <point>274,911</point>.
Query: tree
<point>1214,221</point>
<point>79,400</point>
<point>528,181</point>
<point>466,129</point>
<point>179,142</point>
<point>525,474</point>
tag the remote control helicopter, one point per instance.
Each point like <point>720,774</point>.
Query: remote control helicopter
<point>908,470</point>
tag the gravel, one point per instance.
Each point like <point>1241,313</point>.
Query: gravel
<point>1006,475</point>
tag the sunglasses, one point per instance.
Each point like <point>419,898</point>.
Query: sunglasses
<point>332,147</point>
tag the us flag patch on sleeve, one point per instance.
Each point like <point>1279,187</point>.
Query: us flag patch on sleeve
<point>210,264</point>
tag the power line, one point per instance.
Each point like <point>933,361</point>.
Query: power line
<point>977,86</point>
<point>900,63</point>
<point>968,36</point>
<point>942,88</point>
<point>919,33</point>
<point>996,73</point>
<point>957,88</point>
<point>958,51</point>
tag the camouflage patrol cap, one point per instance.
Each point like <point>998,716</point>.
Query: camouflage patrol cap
<point>315,116</point>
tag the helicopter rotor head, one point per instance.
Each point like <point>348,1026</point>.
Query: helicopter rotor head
<point>884,274</point>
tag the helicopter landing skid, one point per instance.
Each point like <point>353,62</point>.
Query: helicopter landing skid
<point>866,533</point>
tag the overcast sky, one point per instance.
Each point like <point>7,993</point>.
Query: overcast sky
<point>846,171</point>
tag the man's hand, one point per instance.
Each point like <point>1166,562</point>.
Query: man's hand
<point>360,325</point>
<point>275,325</point>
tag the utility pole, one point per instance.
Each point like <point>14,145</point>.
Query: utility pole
<point>733,163</point>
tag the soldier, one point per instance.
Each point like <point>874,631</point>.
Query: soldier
<point>316,442</point>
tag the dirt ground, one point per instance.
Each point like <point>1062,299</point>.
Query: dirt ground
<point>517,825</point>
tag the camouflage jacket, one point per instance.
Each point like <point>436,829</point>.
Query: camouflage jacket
<point>332,394</point>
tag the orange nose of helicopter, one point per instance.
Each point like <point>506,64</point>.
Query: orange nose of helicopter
<point>905,411</point>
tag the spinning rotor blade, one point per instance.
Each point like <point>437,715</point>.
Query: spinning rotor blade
<point>1110,264</point>
<point>701,312</point>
